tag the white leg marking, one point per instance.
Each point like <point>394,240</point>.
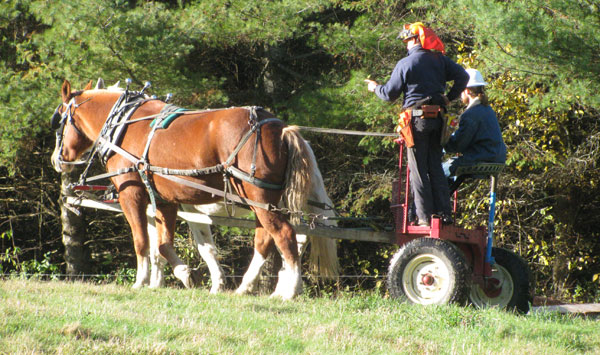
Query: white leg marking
<point>251,275</point>
<point>157,262</point>
<point>206,247</point>
<point>289,284</point>
<point>143,273</point>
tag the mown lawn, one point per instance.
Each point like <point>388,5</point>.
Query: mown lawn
<point>64,317</point>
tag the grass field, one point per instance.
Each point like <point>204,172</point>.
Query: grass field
<point>82,318</point>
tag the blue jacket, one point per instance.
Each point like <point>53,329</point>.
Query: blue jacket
<point>478,137</point>
<point>423,73</point>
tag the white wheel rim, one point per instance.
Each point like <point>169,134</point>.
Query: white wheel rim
<point>426,280</point>
<point>480,299</point>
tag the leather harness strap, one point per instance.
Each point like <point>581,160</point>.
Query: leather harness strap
<point>142,166</point>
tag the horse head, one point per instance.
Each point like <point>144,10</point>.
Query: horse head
<point>71,142</point>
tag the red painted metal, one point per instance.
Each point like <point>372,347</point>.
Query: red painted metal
<point>428,280</point>
<point>90,188</point>
<point>472,242</point>
<point>492,287</point>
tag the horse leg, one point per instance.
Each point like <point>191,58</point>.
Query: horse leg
<point>282,283</point>
<point>142,277</point>
<point>157,262</point>
<point>290,280</point>
<point>263,243</point>
<point>206,246</point>
<point>135,213</point>
<point>165,227</point>
<point>302,240</point>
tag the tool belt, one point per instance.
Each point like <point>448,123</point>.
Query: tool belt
<point>427,111</point>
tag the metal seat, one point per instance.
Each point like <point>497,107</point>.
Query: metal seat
<point>486,169</point>
<point>477,171</point>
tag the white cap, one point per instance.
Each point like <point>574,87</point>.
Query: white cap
<point>475,78</point>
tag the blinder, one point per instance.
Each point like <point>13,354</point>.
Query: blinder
<point>56,119</point>
<point>58,122</point>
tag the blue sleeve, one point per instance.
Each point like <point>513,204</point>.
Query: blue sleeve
<point>393,88</point>
<point>461,139</point>
<point>459,75</point>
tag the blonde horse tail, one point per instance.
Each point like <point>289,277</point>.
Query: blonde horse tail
<point>303,181</point>
<point>323,259</point>
<point>300,169</point>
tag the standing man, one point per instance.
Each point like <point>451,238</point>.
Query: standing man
<point>478,138</point>
<point>421,76</point>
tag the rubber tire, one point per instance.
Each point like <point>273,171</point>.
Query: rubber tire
<point>512,270</point>
<point>419,254</point>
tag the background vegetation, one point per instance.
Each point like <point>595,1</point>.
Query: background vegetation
<point>306,61</point>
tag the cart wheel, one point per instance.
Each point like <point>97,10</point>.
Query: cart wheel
<point>509,286</point>
<point>429,271</point>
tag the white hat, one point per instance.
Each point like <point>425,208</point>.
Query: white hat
<point>475,78</point>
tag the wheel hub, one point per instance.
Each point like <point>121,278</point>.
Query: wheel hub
<point>428,279</point>
<point>493,288</point>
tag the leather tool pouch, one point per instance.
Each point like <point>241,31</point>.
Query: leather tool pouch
<point>405,127</point>
<point>430,111</point>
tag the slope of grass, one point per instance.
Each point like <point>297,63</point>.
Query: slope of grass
<point>63,317</point>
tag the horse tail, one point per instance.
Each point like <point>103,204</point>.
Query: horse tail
<point>299,171</point>
<point>304,181</point>
<point>323,258</point>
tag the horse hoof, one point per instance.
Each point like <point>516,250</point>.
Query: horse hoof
<point>182,272</point>
<point>154,286</point>
<point>242,291</point>
<point>216,288</point>
<point>282,297</point>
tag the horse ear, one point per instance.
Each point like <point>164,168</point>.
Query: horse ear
<point>66,91</point>
<point>115,86</point>
<point>99,84</point>
<point>88,86</point>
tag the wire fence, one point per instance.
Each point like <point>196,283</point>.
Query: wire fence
<point>122,276</point>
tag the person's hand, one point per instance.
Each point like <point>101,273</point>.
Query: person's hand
<point>371,85</point>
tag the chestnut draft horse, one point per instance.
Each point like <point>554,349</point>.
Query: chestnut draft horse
<point>323,260</point>
<point>195,160</point>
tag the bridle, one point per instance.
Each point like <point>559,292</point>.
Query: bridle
<point>59,121</point>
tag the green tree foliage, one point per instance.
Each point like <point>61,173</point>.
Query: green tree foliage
<point>306,60</point>
<point>540,57</point>
<point>552,45</point>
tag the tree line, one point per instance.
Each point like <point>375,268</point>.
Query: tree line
<point>306,61</point>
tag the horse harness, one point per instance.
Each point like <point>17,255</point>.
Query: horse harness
<point>111,135</point>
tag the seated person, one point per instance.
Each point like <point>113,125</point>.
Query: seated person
<point>478,138</point>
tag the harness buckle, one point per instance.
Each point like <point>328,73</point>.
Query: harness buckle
<point>142,165</point>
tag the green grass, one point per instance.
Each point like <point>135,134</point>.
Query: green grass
<point>63,317</point>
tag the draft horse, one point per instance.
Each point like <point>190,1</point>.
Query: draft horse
<point>196,160</point>
<point>323,260</point>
